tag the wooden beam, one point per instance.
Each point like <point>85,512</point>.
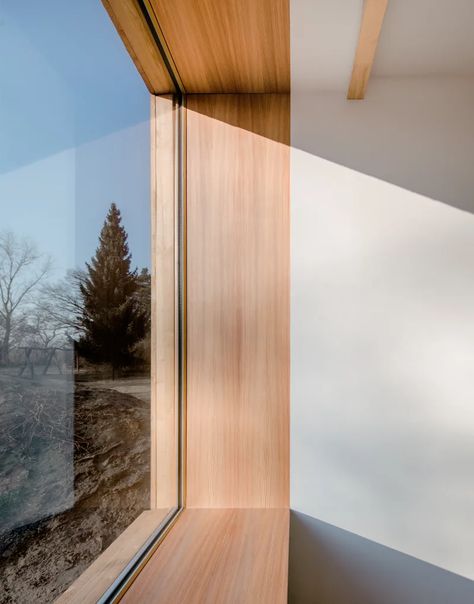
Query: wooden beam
<point>371,25</point>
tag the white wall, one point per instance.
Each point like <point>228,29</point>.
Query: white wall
<point>414,132</point>
<point>382,319</point>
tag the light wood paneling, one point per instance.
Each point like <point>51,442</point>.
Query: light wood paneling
<point>238,301</point>
<point>164,406</point>
<point>98,577</point>
<point>372,19</point>
<point>222,556</point>
<point>228,45</point>
<point>138,40</point>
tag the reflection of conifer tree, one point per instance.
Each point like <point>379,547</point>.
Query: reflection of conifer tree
<point>144,295</point>
<point>112,319</point>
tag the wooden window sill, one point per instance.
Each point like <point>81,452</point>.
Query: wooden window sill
<point>236,556</point>
<point>100,575</point>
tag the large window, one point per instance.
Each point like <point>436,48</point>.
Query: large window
<point>78,463</point>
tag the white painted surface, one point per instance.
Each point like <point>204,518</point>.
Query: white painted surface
<point>324,36</point>
<point>426,37</point>
<point>418,38</point>
<point>382,318</point>
<point>414,132</point>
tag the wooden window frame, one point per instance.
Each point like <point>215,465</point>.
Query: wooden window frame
<point>109,576</point>
<point>238,339</point>
<point>168,342</point>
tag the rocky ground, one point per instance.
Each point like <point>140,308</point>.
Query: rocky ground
<point>74,473</point>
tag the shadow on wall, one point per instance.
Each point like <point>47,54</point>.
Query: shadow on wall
<point>417,133</point>
<point>331,566</point>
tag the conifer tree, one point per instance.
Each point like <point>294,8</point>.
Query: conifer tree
<point>144,295</point>
<point>112,319</point>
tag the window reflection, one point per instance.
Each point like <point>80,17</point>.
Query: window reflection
<point>75,291</point>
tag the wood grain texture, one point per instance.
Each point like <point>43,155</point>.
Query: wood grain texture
<point>371,25</point>
<point>228,45</point>
<point>217,556</point>
<point>164,403</point>
<point>97,578</point>
<point>138,40</point>
<point>238,301</point>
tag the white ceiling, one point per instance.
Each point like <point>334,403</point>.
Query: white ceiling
<point>324,36</point>
<point>419,38</point>
<point>426,37</point>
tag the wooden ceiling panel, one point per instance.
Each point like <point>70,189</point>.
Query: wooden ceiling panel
<point>228,45</point>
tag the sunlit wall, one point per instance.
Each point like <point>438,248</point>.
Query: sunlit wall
<point>382,315</point>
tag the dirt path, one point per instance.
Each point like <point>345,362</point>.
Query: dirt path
<point>137,387</point>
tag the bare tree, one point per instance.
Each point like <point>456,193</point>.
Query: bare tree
<point>22,268</point>
<point>44,330</point>
<point>62,302</point>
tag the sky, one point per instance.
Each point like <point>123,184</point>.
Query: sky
<point>74,130</point>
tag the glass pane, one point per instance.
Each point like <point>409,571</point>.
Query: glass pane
<point>75,289</point>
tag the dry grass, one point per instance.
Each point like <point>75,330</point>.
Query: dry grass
<point>74,474</point>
